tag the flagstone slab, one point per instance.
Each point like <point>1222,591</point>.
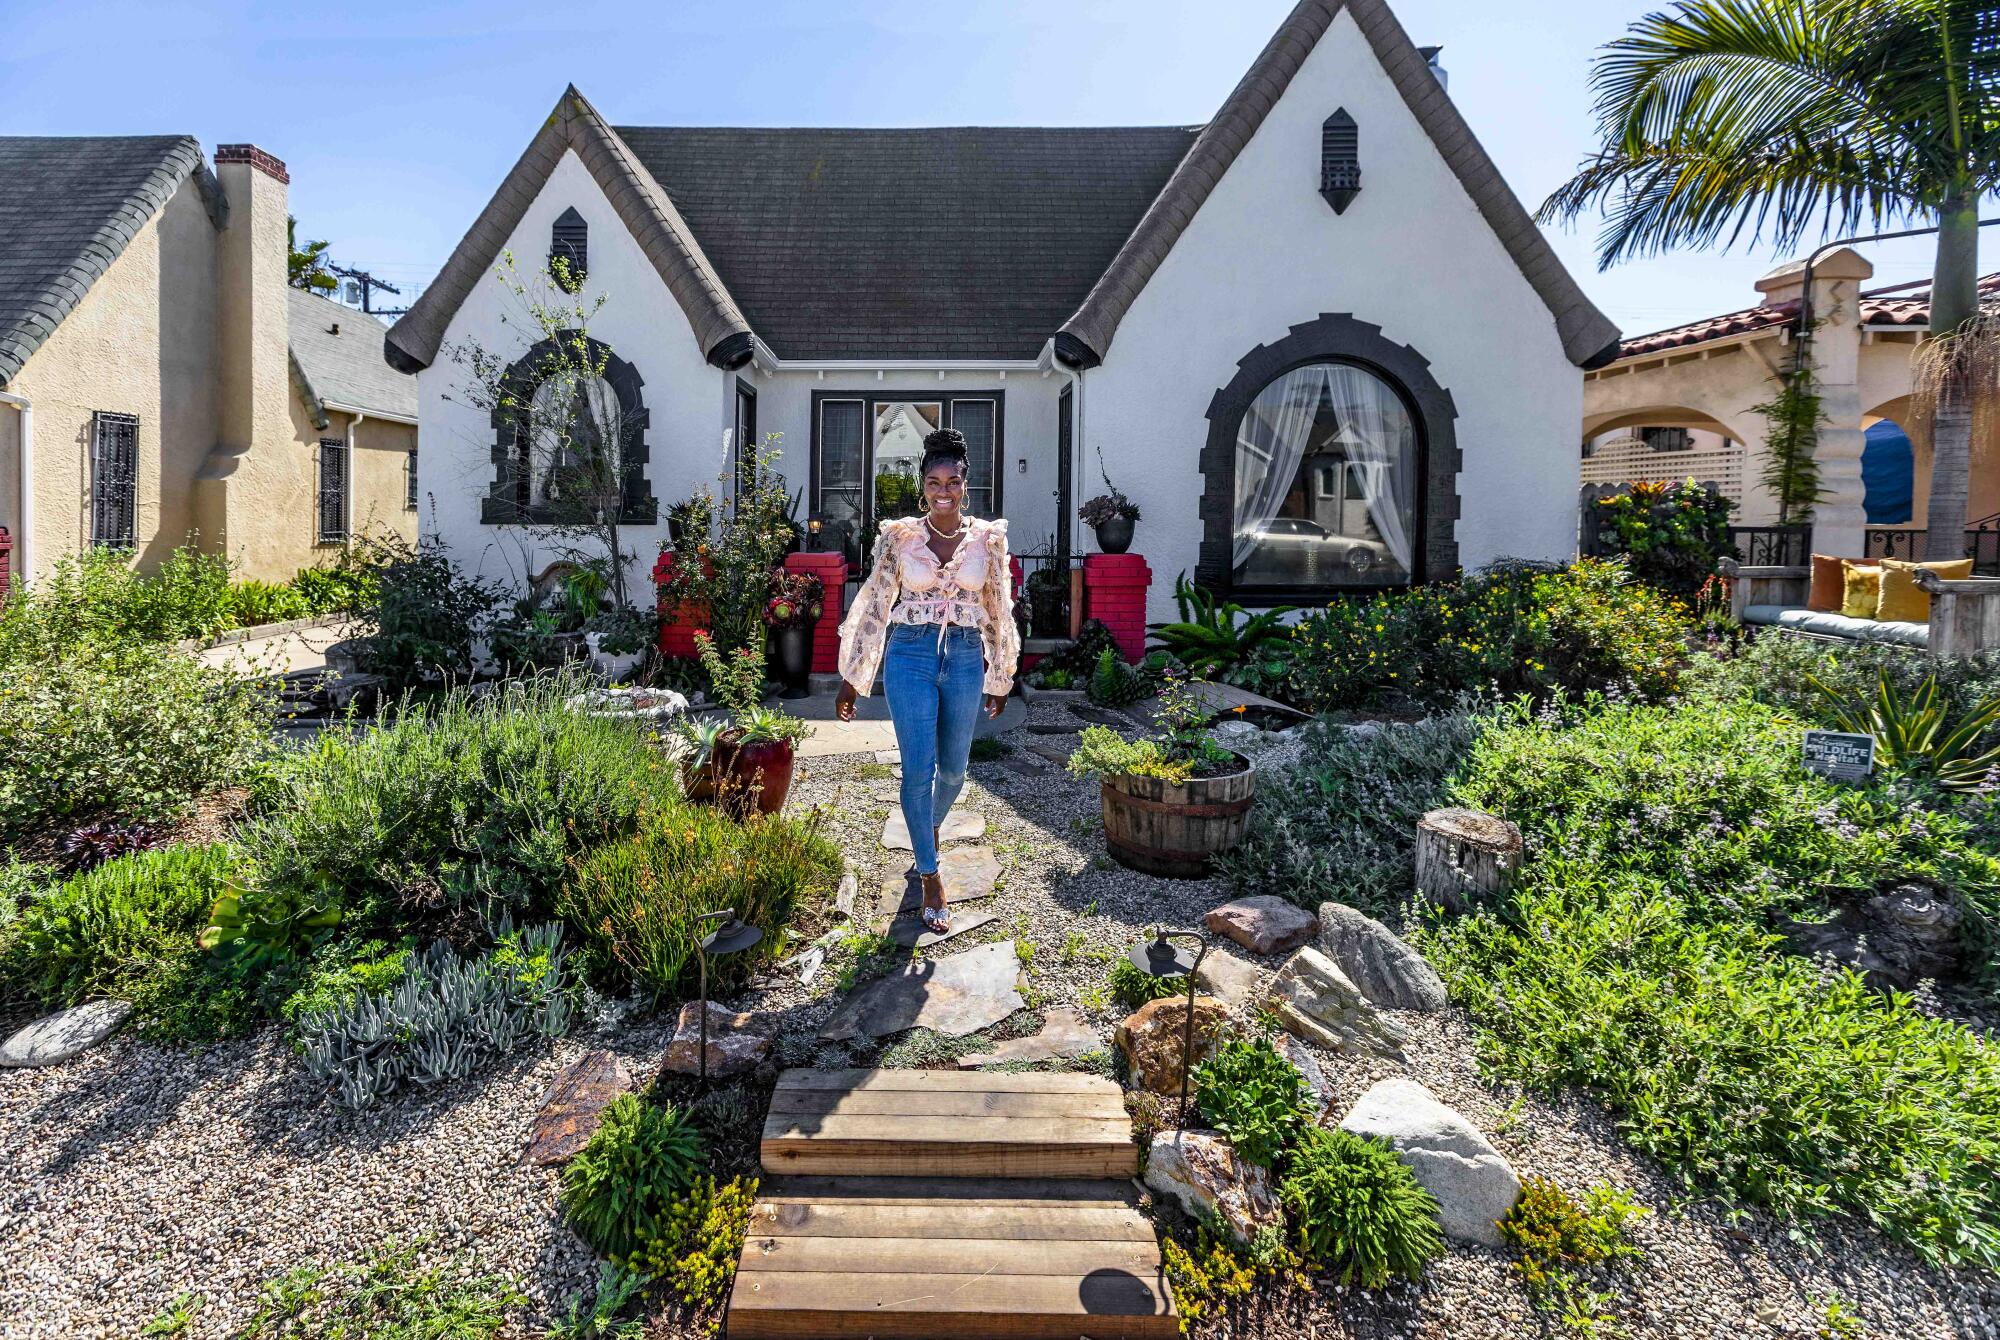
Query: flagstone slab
<point>955,995</point>
<point>959,826</point>
<point>969,874</point>
<point>1064,1034</point>
<point>574,1107</point>
<point>57,1037</point>
<point>907,928</point>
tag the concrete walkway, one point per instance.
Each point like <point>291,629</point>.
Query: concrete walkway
<point>283,653</point>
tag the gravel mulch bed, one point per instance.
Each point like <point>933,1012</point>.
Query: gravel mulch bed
<point>136,1172</point>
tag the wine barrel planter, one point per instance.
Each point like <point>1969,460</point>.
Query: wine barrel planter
<point>1175,830</point>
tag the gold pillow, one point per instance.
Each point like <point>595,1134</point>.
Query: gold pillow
<point>1861,590</point>
<point>1901,601</point>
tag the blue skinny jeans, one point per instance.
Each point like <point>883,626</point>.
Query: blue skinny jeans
<point>934,685</point>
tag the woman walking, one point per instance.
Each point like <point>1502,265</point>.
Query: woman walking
<point>936,615</point>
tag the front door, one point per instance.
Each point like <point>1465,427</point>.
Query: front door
<point>879,439</point>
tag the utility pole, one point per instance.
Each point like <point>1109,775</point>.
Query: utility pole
<point>369,283</point>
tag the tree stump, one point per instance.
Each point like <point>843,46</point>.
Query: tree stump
<point>1465,857</point>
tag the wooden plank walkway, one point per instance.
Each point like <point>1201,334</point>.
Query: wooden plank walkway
<point>940,1205</point>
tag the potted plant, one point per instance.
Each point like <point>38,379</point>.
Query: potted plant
<point>1171,800</point>
<point>1111,515</point>
<point>688,520</point>
<point>796,602</point>
<point>753,755</point>
<point>698,738</point>
<point>618,640</point>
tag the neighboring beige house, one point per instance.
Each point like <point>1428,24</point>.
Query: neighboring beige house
<point>162,385</point>
<point>1678,404</point>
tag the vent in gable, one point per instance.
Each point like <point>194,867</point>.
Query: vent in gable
<point>569,249</point>
<point>1339,160</point>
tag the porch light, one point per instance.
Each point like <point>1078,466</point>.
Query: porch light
<point>813,526</point>
<point>733,936</point>
<point>1159,958</point>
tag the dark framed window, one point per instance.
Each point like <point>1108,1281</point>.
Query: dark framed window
<point>569,243</point>
<point>609,415</point>
<point>746,435</point>
<point>1667,439</point>
<point>1331,465</point>
<point>332,490</point>
<point>114,479</point>
<point>410,481</point>
<point>866,449</point>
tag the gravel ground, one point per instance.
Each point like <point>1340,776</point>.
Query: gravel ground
<point>135,1172</point>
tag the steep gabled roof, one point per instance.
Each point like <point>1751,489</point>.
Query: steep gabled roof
<point>642,206</point>
<point>1586,333</point>
<point>949,243</point>
<point>338,352</point>
<point>69,206</point>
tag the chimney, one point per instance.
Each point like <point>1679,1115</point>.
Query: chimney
<point>252,333</point>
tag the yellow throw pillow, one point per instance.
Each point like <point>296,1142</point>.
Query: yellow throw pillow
<point>1901,601</point>
<point>1861,590</point>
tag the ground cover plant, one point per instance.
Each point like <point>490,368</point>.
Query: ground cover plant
<point>1356,1209</point>
<point>624,1184</point>
<point>1254,1096</point>
<point>388,1295</point>
<point>1561,1246</point>
<point>1513,629</point>
<point>1638,959</point>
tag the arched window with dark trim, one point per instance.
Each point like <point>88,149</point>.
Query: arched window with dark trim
<point>561,430</point>
<point>569,249</point>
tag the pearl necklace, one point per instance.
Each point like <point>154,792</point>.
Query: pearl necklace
<point>946,534</point>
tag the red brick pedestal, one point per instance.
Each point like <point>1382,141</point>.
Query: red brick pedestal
<point>678,623</point>
<point>1114,593</point>
<point>831,569</point>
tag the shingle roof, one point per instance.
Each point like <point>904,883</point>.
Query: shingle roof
<point>1587,334</point>
<point>69,205</point>
<point>965,242</point>
<point>1895,305</point>
<point>339,352</point>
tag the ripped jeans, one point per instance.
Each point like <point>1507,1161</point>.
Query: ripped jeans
<point>934,684</point>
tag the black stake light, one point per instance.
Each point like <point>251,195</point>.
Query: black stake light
<point>1159,958</point>
<point>731,937</point>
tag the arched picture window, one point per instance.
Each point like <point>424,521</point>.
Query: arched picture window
<point>572,435</point>
<point>1327,480</point>
<point>576,456</point>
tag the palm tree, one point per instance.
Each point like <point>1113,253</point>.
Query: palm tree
<point>1730,120</point>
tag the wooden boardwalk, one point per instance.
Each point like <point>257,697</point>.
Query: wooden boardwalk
<point>921,1204</point>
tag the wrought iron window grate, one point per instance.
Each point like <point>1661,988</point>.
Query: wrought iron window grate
<point>114,479</point>
<point>332,491</point>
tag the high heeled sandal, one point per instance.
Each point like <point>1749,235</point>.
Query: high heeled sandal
<point>937,919</point>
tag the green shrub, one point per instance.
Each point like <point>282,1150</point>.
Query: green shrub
<point>97,600</point>
<point>253,602</point>
<point>1132,988</point>
<point>620,1188</point>
<point>1357,1210</point>
<point>1512,630</point>
<point>1637,960</point>
<point>1341,823</point>
<point>1670,534</point>
<point>468,801</point>
<point>1780,671</point>
<point>114,926</point>
<point>21,882</point>
<point>345,969</point>
<point>351,584</point>
<point>635,902</point>
<point>1250,1093</point>
<point>427,613</point>
<point>134,732</point>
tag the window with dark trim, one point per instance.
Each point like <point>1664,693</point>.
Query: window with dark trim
<point>569,250</point>
<point>410,482</point>
<point>878,436</point>
<point>1667,439</point>
<point>746,435</point>
<point>114,479</point>
<point>332,490</point>
<point>1331,465</point>
<point>618,413</point>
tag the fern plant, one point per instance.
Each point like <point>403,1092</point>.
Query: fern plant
<point>1912,732</point>
<point>1357,1209</point>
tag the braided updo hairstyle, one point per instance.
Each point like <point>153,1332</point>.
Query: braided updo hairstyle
<point>944,445</point>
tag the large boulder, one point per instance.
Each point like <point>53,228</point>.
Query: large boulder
<point>1265,924</point>
<point>1152,1037</point>
<point>736,1042</point>
<point>1315,1000</point>
<point>1201,1172</point>
<point>1475,1187</point>
<point>1388,971</point>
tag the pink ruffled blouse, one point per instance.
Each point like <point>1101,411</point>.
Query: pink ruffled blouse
<point>907,584</point>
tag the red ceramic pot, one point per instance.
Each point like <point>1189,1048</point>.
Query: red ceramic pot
<point>762,771</point>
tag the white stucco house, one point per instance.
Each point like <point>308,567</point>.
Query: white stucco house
<point>1317,339</point>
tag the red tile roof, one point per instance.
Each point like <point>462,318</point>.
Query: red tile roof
<point>1878,308</point>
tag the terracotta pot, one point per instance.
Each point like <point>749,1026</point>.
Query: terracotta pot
<point>1115,535</point>
<point>756,776</point>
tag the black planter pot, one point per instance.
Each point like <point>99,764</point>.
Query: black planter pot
<point>1115,535</point>
<point>791,649</point>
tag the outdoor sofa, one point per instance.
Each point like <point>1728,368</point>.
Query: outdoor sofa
<point>1965,615</point>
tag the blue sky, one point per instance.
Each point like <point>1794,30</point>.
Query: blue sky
<point>398,120</point>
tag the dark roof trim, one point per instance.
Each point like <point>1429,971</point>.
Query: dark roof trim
<point>642,206</point>
<point>1584,330</point>
<point>65,289</point>
<point>302,384</point>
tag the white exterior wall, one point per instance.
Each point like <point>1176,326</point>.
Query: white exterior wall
<point>1411,254</point>
<point>1028,430</point>
<point>690,402</point>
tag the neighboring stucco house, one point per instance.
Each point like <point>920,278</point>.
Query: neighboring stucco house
<point>1680,403</point>
<point>1317,340</point>
<point>160,383</point>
